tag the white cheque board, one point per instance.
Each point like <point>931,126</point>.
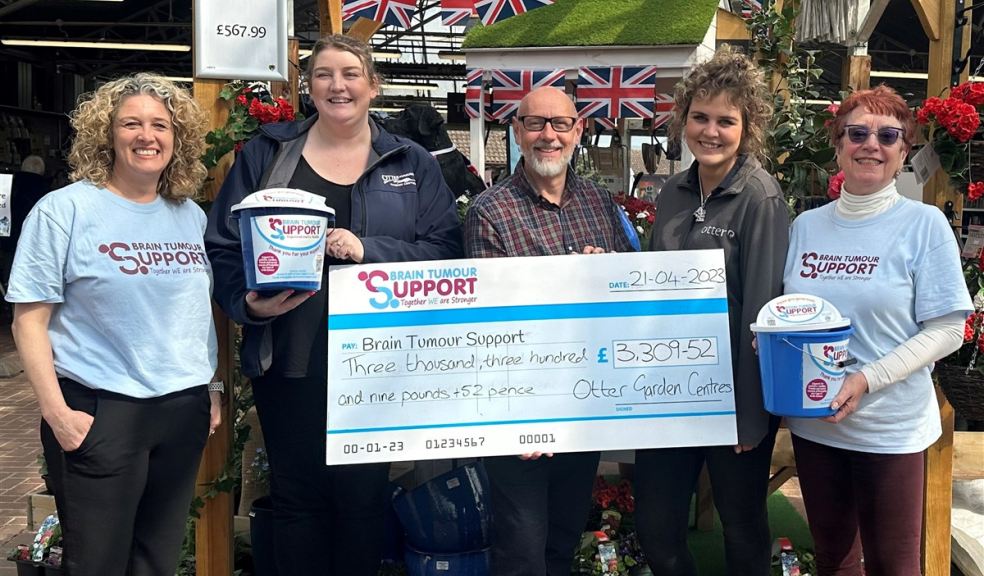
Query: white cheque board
<point>455,358</point>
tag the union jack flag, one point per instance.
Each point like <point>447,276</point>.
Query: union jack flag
<point>393,12</point>
<point>456,11</point>
<point>474,105</point>
<point>492,11</point>
<point>749,7</point>
<point>663,111</point>
<point>616,92</point>
<point>605,124</point>
<point>509,87</point>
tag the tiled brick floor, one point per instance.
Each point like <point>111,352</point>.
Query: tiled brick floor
<point>19,448</point>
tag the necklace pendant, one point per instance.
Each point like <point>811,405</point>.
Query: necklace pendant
<point>699,214</point>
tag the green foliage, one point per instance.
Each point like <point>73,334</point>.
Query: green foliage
<point>600,23</point>
<point>797,138</point>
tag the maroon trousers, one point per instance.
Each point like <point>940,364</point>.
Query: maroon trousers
<point>861,503</point>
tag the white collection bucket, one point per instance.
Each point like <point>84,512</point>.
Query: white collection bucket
<point>283,234</point>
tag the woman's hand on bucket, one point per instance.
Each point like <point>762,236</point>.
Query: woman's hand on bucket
<point>847,400</point>
<point>341,244</point>
<point>260,307</point>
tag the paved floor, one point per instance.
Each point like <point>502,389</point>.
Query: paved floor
<point>19,449</point>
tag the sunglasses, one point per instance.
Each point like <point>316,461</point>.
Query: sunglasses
<point>558,123</point>
<point>887,136</point>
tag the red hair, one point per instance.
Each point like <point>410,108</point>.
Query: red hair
<point>881,100</point>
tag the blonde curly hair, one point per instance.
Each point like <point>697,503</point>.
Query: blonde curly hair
<point>732,73</point>
<point>92,156</point>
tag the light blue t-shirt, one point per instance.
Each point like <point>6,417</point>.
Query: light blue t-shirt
<point>887,273</point>
<point>132,286</point>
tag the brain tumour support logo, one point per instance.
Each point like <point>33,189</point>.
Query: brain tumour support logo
<point>414,287</point>
<point>385,299</point>
<point>275,224</point>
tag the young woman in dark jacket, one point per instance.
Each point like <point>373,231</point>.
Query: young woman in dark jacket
<point>391,204</point>
<point>725,200</point>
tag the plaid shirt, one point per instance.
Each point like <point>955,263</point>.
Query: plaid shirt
<point>512,219</point>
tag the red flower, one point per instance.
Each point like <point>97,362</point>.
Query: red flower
<point>970,92</point>
<point>286,110</point>
<point>241,99</point>
<point>834,185</point>
<point>238,146</point>
<point>980,263</point>
<point>975,190</point>
<point>969,328</point>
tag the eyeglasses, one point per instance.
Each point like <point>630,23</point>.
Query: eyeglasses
<point>887,135</point>
<point>558,123</point>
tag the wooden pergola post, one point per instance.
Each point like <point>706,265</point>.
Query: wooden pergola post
<point>213,533</point>
<point>938,18</point>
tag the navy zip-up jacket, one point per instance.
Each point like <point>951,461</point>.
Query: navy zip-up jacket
<point>402,210</point>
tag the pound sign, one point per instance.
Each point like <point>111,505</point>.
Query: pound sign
<point>602,358</point>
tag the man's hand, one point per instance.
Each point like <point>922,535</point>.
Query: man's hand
<point>535,455</point>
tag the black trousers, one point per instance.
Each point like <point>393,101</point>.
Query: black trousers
<point>539,509</point>
<point>664,484</point>
<point>324,516</point>
<point>123,496</point>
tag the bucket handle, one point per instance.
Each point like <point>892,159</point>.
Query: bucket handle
<point>839,364</point>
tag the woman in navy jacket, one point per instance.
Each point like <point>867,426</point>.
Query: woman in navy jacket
<point>391,204</point>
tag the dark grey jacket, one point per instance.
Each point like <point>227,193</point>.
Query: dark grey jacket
<point>748,218</point>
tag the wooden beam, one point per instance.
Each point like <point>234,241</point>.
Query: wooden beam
<point>364,28</point>
<point>871,19</point>
<point>731,26</point>
<point>937,190</point>
<point>929,16</point>
<point>213,534</point>
<point>938,497</point>
<point>856,74</point>
<point>330,16</point>
<point>294,72</point>
<point>968,455</point>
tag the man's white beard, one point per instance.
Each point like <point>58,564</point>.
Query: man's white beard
<point>549,168</point>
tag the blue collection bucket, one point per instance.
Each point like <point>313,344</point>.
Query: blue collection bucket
<point>472,563</point>
<point>450,513</point>
<point>803,357</point>
<point>283,232</point>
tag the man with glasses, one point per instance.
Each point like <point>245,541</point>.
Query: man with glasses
<point>540,502</point>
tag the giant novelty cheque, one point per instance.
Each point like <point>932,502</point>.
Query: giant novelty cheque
<point>456,358</point>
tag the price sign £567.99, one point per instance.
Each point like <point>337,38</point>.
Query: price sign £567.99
<point>241,30</point>
<point>241,40</point>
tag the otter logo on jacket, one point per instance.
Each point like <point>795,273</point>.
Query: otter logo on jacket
<point>399,180</point>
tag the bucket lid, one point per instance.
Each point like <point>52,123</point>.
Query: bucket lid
<point>284,198</point>
<point>798,313</point>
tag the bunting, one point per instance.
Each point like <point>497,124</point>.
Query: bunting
<point>509,87</point>
<point>492,11</point>
<point>456,12</point>
<point>616,92</point>
<point>392,12</point>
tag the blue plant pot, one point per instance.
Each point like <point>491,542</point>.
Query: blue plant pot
<point>450,513</point>
<point>474,563</point>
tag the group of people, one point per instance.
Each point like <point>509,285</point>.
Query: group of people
<point>115,274</point>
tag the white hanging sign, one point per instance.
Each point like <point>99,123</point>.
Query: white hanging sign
<point>241,40</point>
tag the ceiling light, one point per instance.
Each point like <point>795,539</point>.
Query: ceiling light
<point>102,45</point>
<point>451,55</point>
<point>910,75</point>
<point>408,86</point>
<point>171,78</point>
<point>376,54</point>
